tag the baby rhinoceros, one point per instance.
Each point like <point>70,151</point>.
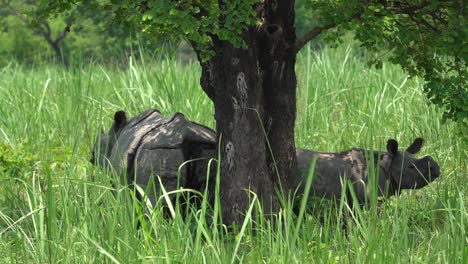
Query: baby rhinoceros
<point>394,171</point>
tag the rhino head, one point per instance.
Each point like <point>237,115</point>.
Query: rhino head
<point>405,171</point>
<point>105,142</point>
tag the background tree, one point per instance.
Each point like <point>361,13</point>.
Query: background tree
<point>247,50</point>
<point>93,37</point>
<point>43,28</point>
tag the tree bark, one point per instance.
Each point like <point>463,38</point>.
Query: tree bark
<point>278,60</point>
<point>254,94</point>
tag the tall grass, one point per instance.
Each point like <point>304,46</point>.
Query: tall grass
<point>56,207</point>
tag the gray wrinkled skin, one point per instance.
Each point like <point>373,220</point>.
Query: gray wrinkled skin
<point>395,170</point>
<point>151,146</point>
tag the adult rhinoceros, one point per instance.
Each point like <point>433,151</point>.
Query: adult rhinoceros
<point>394,171</point>
<point>151,145</point>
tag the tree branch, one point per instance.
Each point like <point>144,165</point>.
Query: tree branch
<point>391,6</point>
<point>7,9</point>
<point>410,9</point>
<point>300,43</point>
<point>65,31</point>
<point>47,33</point>
<point>424,22</point>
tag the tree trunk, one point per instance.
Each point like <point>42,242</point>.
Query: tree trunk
<point>58,53</point>
<point>254,94</point>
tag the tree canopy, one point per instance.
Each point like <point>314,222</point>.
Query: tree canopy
<point>427,38</point>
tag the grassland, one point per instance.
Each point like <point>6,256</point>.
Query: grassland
<point>56,207</point>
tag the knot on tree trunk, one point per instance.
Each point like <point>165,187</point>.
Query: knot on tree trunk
<point>271,42</point>
<point>272,32</point>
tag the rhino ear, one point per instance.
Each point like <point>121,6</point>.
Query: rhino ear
<point>392,147</point>
<point>416,146</point>
<point>120,119</point>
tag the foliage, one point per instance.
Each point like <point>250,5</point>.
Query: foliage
<point>92,36</point>
<point>18,44</point>
<point>199,22</point>
<point>16,167</point>
<point>15,162</point>
<point>427,38</point>
<point>16,38</point>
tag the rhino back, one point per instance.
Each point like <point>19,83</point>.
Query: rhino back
<point>129,139</point>
<point>164,149</point>
<point>332,170</point>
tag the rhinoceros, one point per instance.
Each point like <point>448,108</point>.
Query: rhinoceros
<point>394,171</point>
<point>151,145</point>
